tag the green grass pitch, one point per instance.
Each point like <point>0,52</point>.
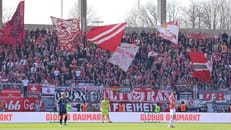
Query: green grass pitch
<point>114,126</point>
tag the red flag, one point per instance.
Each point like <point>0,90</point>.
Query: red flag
<point>66,30</point>
<point>107,37</point>
<point>14,31</point>
<point>202,67</point>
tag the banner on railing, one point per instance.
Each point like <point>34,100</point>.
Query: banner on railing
<point>11,93</point>
<point>22,104</point>
<point>34,89</point>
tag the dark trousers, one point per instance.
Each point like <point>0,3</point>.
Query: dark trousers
<point>24,91</point>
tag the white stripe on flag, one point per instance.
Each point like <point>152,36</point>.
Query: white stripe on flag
<point>105,32</point>
<point>110,36</point>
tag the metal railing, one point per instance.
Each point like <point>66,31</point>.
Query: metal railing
<point>11,85</point>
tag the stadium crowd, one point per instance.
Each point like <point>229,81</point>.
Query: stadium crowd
<point>40,60</point>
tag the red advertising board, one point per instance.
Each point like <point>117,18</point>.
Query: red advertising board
<point>11,93</point>
<point>22,104</point>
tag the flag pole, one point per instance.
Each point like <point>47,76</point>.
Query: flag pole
<point>138,9</point>
<point>212,14</point>
<point>61,9</point>
<point>83,20</point>
<point>0,14</point>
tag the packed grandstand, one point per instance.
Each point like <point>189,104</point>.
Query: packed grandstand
<point>40,61</point>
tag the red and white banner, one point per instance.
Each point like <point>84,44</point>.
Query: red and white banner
<point>66,30</point>
<point>11,93</point>
<point>138,95</point>
<point>202,67</point>
<point>107,37</point>
<point>169,31</point>
<point>138,100</point>
<point>34,89</point>
<point>14,31</point>
<point>22,104</point>
<point>215,96</point>
<point>46,117</point>
<point>123,55</point>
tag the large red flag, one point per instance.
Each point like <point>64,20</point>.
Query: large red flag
<point>14,31</point>
<point>66,31</point>
<point>107,37</point>
<point>202,67</point>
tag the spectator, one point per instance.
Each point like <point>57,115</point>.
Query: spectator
<point>223,109</point>
<point>183,107</point>
<point>84,107</point>
<point>25,82</point>
<point>2,106</point>
<point>225,37</point>
<point>230,108</point>
<point>38,106</point>
<point>204,108</point>
<point>157,108</point>
<point>121,107</point>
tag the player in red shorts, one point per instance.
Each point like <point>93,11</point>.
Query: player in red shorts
<point>172,108</point>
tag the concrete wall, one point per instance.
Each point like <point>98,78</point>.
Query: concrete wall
<point>131,29</point>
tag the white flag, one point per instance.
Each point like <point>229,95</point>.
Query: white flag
<point>123,55</point>
<point>66,30</point>
<point>169,31</point>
